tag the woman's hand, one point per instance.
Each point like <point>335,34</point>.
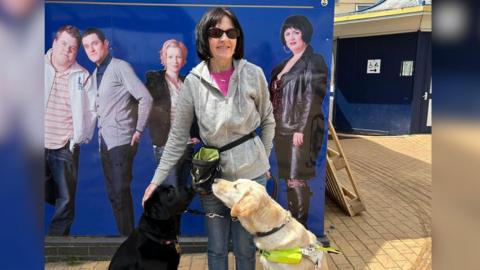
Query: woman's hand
<point>297,139</point>
<point>148,192</point>
<point>193,141</point>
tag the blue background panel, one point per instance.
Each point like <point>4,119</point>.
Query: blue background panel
<point>136,33</point>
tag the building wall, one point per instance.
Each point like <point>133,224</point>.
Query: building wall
<point>422,92</point>
<point>377,103</point>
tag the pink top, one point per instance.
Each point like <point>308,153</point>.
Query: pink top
<point>222,79</point>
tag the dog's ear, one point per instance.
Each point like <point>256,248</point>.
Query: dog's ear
<point>245,206</point>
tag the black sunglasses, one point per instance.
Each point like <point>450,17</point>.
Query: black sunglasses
<point>215,32</point>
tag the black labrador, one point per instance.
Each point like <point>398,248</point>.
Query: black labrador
<point>153,244</point>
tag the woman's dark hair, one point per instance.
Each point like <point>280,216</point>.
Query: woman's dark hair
<point>210,19</point>
<point>299,22</point>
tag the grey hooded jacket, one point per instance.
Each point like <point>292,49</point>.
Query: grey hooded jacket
<point>224,119</point>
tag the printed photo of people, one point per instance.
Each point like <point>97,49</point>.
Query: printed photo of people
<point>158,81</point>
<point>297,87</point>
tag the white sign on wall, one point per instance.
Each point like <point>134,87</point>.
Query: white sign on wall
<point>373,66</point>
<point>407,68</point>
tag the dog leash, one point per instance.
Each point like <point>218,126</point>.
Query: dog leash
<point>201,213</point>
<point>275,187</point>
<point>213,215</point>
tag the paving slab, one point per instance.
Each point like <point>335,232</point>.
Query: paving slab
<point>393,176</point>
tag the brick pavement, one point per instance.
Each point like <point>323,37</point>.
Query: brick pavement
<point>393,176</point>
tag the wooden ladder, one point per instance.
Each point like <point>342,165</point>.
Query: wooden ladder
<point>348,200</point>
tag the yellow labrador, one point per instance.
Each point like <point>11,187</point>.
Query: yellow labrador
<point>273,226</point>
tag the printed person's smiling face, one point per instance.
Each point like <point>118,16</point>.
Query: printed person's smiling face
<point>64,49</point>
<point>223,47</point>
<point>174,61</point>
<point>293,40</point>
<point>96,49</point>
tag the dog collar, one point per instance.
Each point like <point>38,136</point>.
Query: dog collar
<point>160,241</point>
<point>288,217</point>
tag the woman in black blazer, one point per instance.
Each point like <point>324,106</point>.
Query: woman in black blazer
<point>297,90</point>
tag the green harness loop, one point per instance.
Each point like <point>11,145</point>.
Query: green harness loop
<point>294,255</point>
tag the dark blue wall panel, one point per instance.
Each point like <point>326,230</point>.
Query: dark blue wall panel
<point>423,79</point>
<point>136,33</point>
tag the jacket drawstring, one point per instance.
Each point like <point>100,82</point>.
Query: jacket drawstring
<point>238,92</point>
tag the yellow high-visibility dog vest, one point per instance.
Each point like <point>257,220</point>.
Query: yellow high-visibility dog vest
<point>294,255</point>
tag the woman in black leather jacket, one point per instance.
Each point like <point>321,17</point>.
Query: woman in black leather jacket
<point>297,90</point>
<point>164,86</point>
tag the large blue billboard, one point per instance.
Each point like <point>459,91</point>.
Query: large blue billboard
<point>136,31</point>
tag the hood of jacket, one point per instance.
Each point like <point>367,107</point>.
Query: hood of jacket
<point>74,68</point>
<point>202,71</point>
<point>212,98</point>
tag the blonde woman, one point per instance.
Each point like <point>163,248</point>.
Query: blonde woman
<point>164,86</point>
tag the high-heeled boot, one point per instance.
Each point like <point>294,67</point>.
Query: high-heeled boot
<point>299,202</point>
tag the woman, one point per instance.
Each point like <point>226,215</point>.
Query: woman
<point>164,86</point>
<point>230,98</point>
<point>297,90</point>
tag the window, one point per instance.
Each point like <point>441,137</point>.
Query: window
<point>360,7</point>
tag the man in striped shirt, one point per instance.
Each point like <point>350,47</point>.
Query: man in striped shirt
<point>69,120</point>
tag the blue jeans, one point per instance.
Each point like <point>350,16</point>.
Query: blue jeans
<point>117,168</point>
<point>61,166</point>
<point>221,228</point>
